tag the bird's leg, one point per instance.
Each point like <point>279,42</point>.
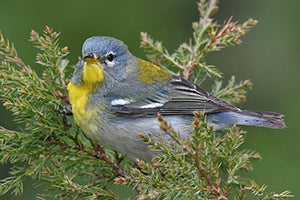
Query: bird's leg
<point>65,109</point>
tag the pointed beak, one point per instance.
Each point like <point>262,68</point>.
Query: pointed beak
<point>91,58</point>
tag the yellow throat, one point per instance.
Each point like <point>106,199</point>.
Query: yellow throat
<point>92,77</point>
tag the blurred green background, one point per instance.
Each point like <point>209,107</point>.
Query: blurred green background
<point>269,56</point>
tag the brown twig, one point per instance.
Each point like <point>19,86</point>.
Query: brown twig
<point>65,98</point>
<point>19,62</point>
<point>100,154</point>
<point>187,71</point>
<point>222,32</point>
<point>16,60</point>
<point>211,187</point>
<point>65,109</point>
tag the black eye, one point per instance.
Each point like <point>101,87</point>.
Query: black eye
<point>110,57</point>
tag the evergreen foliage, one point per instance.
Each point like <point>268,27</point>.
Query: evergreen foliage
<point>51,150</point>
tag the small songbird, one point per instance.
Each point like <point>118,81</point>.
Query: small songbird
<point>115,95</point>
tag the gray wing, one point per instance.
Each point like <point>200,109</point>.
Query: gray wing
<point>179,97</point>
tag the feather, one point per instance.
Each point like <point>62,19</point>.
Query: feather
<point>180,97</point>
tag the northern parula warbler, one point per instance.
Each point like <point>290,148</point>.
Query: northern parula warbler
<point>115,95</point>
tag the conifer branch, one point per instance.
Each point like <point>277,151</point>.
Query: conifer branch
<point>233,92</point>
<point>207,37</point>
<point>99,153</point>
<point>11,54</point>
<point>148,43</point>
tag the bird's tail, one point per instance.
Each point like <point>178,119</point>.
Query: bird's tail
<point>260,118</point>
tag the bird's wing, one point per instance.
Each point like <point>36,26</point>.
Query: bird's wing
<point>180,97</point>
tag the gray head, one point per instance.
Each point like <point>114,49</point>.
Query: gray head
<point>111,54</point>
<point>108,50</point>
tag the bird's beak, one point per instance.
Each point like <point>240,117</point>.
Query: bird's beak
<point>92,72</point>
<point>91,59</point>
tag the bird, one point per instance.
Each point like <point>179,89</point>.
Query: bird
<point>115,96</point>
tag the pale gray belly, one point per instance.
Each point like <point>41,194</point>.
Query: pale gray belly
<point>121,133</point>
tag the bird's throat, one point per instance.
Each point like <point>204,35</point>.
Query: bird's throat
<point>92,75</point>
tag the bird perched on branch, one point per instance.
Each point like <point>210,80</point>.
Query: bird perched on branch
<point>115,95</point>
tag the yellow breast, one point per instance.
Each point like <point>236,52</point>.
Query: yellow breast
<point>78,99</point>
<point>92,77</point>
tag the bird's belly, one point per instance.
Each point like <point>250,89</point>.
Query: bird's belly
<point>121,133</point>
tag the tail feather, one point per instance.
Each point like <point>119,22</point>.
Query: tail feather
<point>260,118</point>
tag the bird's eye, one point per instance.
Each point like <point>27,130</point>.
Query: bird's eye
<point>110,57</point>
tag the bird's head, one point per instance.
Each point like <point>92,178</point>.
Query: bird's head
<point>103,59</point>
